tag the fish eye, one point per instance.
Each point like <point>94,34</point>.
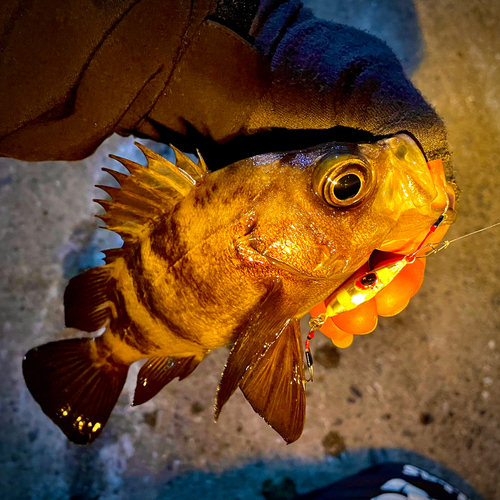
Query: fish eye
<point>347,187</point>
<point>342,180</point>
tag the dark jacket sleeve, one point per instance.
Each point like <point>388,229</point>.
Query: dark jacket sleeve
<point>231,81</point>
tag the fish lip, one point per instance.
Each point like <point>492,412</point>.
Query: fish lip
<point>449,217</point>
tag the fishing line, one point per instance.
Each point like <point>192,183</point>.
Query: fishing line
<point>437,247</point>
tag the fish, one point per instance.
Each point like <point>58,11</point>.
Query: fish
<point>231,257</point>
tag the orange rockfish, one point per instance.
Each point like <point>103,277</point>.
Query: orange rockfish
<point>234,256</point>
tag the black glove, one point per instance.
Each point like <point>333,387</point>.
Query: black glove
<point>233,80</point>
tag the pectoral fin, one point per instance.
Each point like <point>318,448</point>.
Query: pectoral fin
<point>255,359</point>
<point>275,385</point>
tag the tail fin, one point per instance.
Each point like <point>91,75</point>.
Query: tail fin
<point>74,386</point>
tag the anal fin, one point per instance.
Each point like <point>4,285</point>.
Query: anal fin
<point>158,371</point>
<point>75,388</point>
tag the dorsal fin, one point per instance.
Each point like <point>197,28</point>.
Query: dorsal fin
<point>148,191</point>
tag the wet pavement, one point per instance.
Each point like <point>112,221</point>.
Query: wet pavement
<point>427,380</point>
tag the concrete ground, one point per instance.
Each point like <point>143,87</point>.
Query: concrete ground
<point>427,380</point>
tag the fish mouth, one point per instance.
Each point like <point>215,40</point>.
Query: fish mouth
<point>449,217</point>
<point>445,199</point>
<point>408,245</point>
<point>442,205</point>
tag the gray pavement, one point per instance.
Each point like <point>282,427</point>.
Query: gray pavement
<point>427,380</point>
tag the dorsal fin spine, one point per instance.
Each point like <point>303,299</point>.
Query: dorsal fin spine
<point>184,163</point>
<point>202,166</point>
<point>116,205</point>
<point>130,233</point>
<point>148,192</point>
<point>179,183</point>
<point>116,214</point>
<point>158,164</point>
<point>120,196</point>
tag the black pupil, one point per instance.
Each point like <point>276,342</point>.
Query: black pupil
<point>369,279</point>
<point>347,187</point>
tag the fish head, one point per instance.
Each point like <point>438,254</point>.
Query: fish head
<point>409,194</point>
<point>349,200</point>
<point>387,191</point>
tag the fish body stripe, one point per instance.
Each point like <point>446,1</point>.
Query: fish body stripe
<point>135,325</point>
<point>147,326</point>
<point>125,327</point>
<point>149,296</point>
